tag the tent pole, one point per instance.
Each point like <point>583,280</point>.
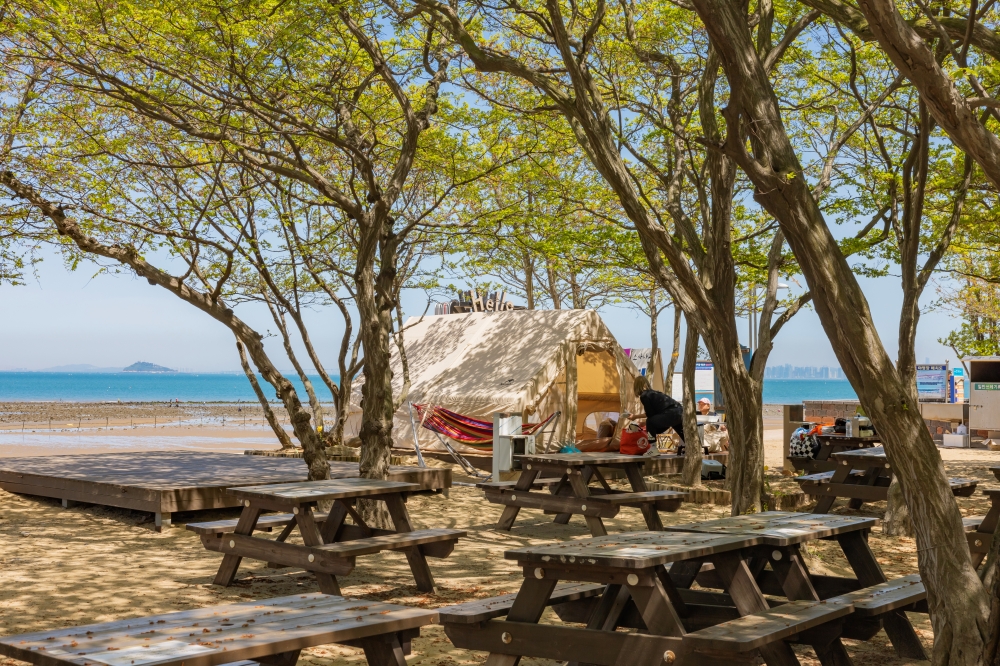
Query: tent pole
<point>416,444</point>
<point>462,462</point>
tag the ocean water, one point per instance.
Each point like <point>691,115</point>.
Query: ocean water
<point>794,391</point>
<point>139,387</point>
<point>189,387</point>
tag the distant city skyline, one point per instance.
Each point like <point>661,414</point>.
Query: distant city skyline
<point>789,371</point>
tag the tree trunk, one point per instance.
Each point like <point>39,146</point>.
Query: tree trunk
<point>375,329</point>
<point>691,473</point>
<point>272,420</point>
<point>897,520</point>
<point>668,380</point>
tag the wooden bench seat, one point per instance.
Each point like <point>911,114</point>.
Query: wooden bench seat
<point>264,524</point>
<point>665,500</point>
<point>395,541</point>
<point>963,487</point>
<point>885,597</point>
<point>759,629</point>
<point>488,609</point>
<point>271,631</point>
<point>823,477</point>
<point>509,485</point>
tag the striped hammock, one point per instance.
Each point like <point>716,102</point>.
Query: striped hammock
<point>465,429</point>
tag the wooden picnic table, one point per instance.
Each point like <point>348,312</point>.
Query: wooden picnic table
<point>330,545</point>
<point>727,621</point>
<point>570,475</point>
<point>980,529</point>
<point>861,475</point>
<point>828,445</point>
<point>270,632</point>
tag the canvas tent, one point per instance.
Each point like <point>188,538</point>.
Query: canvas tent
<point>531,362</point>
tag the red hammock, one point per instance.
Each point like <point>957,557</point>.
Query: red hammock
<point>467,430</point>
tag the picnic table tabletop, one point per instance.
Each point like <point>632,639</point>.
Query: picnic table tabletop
<point>315,491</point>
<point>634,550</point>
<point>217,634</point>
<point>874,454</point>
<point>849,440</point>
<point>582,459</point>
<point>781,528</point>
<point>996,471</point>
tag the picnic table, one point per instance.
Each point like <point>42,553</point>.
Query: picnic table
<point>270,632</point>
<point>861,475</point>
<point>569,476</point>
<point>330,544</point>
<point>980,529</point>
<point>624,581</point>
<point>828,445</point>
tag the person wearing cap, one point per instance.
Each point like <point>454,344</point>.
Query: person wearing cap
<point>705,409</point>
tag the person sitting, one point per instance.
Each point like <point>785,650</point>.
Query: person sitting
<point>705,409</point>
<point>660,410</point>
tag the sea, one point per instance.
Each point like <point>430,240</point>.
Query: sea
<point>233,387</point>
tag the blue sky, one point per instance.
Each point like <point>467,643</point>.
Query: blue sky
<point>65,317</point>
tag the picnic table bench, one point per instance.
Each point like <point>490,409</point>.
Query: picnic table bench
<point>270,632</point>
<point>828,445</point>
<point>861,475</point>
<point>646,578</point>
<point>330,544</point>
<point>979,529</point>
<point>571,493</point>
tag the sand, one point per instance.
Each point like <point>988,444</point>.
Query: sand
<point>64,567</point>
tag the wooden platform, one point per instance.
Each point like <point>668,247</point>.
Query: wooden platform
<point>164,482</point>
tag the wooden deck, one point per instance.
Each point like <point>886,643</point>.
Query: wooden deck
<point>164,482</point>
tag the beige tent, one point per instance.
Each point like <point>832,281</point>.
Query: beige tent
<point>532,362</point>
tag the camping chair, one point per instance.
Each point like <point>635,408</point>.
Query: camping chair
<point>468,431</point>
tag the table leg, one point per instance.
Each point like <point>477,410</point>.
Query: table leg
<point>793,574</point>
<point>605,616</point>
<point>748,599</point>
<point>684,573</point>
<point>826,501</point>
<point>334,521</point>
<point>564,518</point>
<point>659,615</point>
<point>869,479</point>
<point>383,651</point>
<point>230,563</point>
<point>311,537</point>
<point>581,491</point>
<point>528,606</point>
<point>418,563</point>
<point>634,473</point>
<point>869,573</point>
<point>509,514</point>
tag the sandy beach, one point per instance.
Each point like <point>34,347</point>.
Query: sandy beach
<point>63,567</point>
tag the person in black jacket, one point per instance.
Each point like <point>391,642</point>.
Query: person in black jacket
<point>661,411</point>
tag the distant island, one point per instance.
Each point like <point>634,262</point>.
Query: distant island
<point>142,366</point>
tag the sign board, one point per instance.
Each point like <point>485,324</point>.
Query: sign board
<point>932,381</point>
<point>640,358</point>
<point>982,386</point>
<point>704,377</point>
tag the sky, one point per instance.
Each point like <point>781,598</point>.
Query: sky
<point>64,317</point>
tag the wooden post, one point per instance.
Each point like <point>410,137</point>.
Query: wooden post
<point>790,416</point>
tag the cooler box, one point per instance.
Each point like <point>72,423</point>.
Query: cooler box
<point>955,441</point>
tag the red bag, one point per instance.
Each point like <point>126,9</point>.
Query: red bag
<point>635,440</point>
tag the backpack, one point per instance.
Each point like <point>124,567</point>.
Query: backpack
<point>803,443</point>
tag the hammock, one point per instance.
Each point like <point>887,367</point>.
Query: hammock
<point>467,430</point>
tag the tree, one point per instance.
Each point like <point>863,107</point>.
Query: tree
<point>687,239</point>
<point>308,93</point>
<point>958,602</point>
